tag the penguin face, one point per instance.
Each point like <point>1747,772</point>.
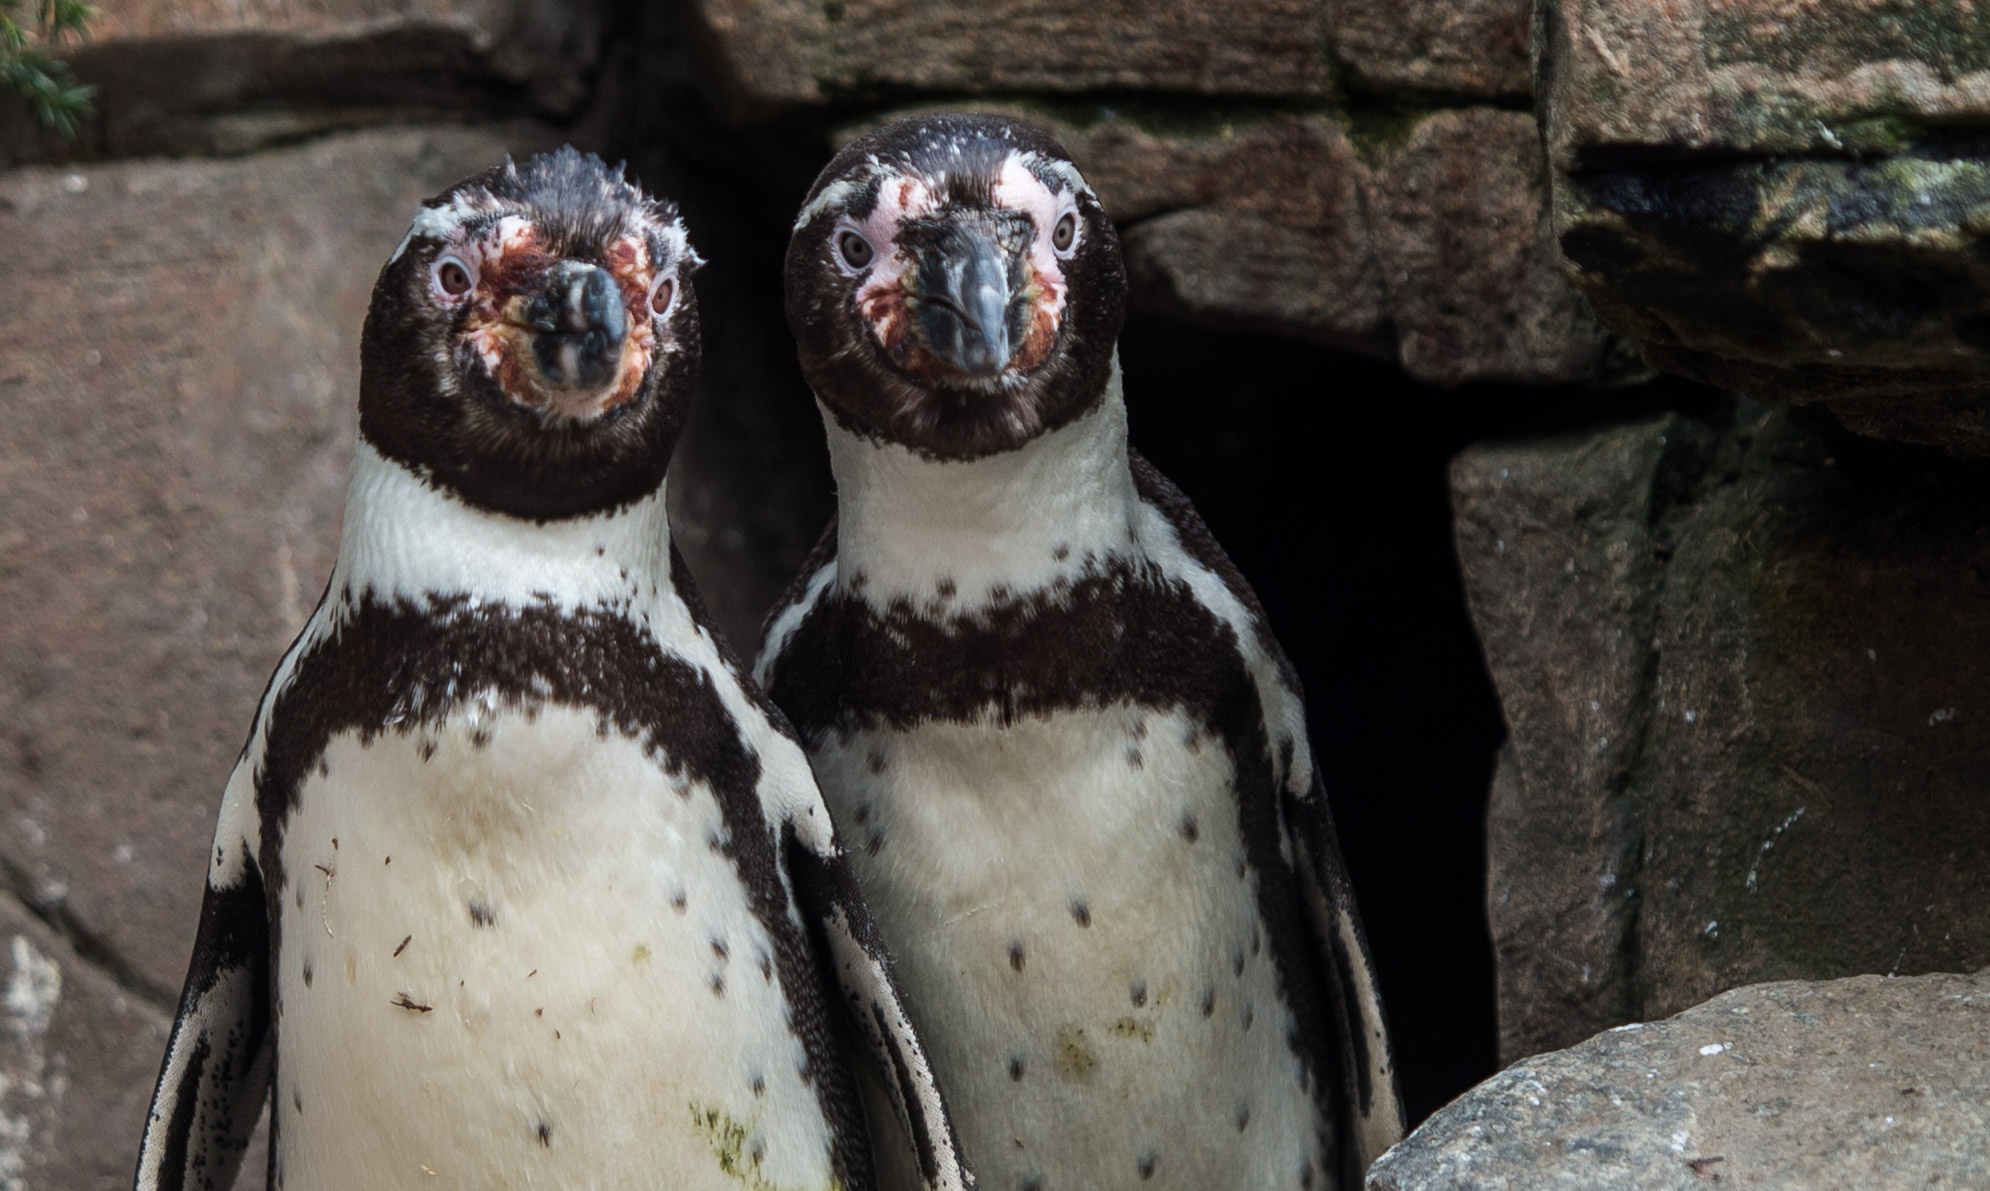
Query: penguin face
<point>954,286</point>
<point>532,343</point>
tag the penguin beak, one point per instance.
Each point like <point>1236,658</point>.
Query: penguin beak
<point>961,299</point>
<point>572,322</point>
<point>578,323</point>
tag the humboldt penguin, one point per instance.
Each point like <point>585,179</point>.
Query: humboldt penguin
<point>518,881</point>
<point>1047,713</point>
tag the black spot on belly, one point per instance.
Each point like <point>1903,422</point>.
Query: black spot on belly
<point>1190,829</point>
<point>875,843</point>
<point>1243,1116</point>
<point>1030,1182</point>
<point>718,985</point>
<point>307,975</point>
<point>1134,759</point>
<point>1208,1000</point>
<point>678,901</point>
<point>297,1099</point>
<point>1237,961</point>
<point>1081,913</point>
<point>757,1084</point>
<point>877,761</point>
<point>947,589</point>
<point>1250,1016</point>
<point>546,1134</point>
<point>1145,1165</point>
<point>1257,942</point>
<point>1060,552</point>
<point>864,811</point>
<point>719,949</point>
<point>1138,992</point>
<point>481,738</point>
<point>1016,957</point>
<point>426,750</point>
<point>1017,1066</point>
<point>481,914</point>
<point>1306,1177</point>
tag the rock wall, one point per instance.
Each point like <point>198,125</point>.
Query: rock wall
<point>1732,646</point>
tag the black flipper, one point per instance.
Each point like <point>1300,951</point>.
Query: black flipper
<point>1373,1119</point>
<point>216,1073</point>
<point>829,894</point>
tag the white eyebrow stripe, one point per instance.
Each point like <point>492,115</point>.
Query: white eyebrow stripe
<point>832,196</point>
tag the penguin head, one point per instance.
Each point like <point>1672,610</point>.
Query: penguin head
<point>954,286</point>
<point>532,343</point>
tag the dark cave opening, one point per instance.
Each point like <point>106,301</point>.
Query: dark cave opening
<point>1323,476</point>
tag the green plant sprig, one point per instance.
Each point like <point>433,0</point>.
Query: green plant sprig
<point>30,70</point>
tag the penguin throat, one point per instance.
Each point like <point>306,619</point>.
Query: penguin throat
<point>957,535</point>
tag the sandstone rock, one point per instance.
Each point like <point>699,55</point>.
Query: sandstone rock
<point>1739,667</point>
<point>179,362</point>
<point>1692,77</point>
<point>1786,199</point>
<point>217,76</point>
<point>773,52</point>
<point>1460,219</point>
<point>1452,47</point>
<point>1869,1082</point>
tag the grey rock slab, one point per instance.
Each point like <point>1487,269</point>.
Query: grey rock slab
<point>1739,662</point>
<point>770,53</point>
<point>1867,1082</point>
<point>1555,541</point>
<point>180,365</point>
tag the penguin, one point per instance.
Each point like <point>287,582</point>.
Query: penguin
<point>519,882</point>
<point>1046,711</point>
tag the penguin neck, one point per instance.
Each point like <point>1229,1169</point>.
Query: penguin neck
<point>951,537</point>
<point>407,538</point>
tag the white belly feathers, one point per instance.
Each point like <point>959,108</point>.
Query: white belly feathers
<point>1069,911</point>
<point>486,925</point>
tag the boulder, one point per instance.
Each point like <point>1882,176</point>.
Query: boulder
<point>1788,200</point>
<point>219,76</point>
<point>768,53</point>
<point>1474,48</point>
<point>179,363</point>
<point>1869,1082</point>
<point>1738,660</point>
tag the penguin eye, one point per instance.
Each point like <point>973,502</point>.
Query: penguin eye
<point>1065,234</point>
<point>855,250</point>
<point>663,295</point>
<point>453,277</point>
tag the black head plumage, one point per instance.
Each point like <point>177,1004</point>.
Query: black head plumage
<point>954,286</point>
<point>532,345</point>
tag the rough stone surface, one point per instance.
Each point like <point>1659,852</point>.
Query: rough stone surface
<point>1790,200</point>
<point>1694,77</point>
<point>1461,228</point>
<point>772,52</point>
<point>1738,661</point>
<point>1796,280</point>
<point>1451,47</point>
<point>77,1057</point>
<point>180,366</point>
<point>1875,1083</point>
<point>217,76</point>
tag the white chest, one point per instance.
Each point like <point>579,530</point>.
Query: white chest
<point>513,955</point>
<point>1078,936</point>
